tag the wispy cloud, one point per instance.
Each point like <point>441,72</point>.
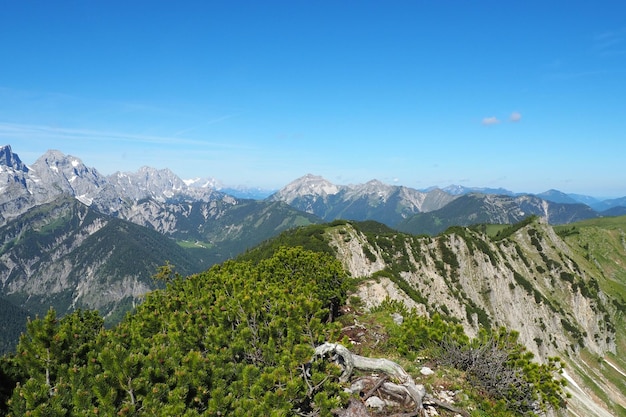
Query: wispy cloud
<point>42,132</point>
<point>515,117</point>
<point>488,121</point>
<point>611,42</point>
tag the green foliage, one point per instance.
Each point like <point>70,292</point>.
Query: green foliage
<point>505,370</point>
<point>565,231</point>
<point>521,255</point>
<point>230,341</point>
<point>373,228</point>
<point>407,288</point>
<point>308,237</point>
<point>51,362</point>
<point>503,373</point>
<point>472,309</point>
<point>13,323</point>
<point>448,256</point>
<point>369,254</point>
<point>418,333</point>
<point>509,231</point>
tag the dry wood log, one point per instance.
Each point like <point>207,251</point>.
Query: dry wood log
<point>407,388</point>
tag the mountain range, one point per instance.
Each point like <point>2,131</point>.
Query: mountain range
<point>57,214</point>
<point>120,193</point>
<point>72,238</point>
<point>73,209</point>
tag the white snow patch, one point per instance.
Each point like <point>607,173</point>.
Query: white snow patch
<point>75,163</point>
<point>84,199</point>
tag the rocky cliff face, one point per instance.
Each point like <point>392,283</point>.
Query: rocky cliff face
<point>532,282</point>
<point>66,255</point>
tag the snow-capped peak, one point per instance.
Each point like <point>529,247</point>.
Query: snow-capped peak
<point>199,182</point>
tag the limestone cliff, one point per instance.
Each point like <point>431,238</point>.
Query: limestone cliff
<point>531,281</point>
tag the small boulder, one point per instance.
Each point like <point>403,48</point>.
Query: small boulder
<point>426,371</point>
<point>375,402</point>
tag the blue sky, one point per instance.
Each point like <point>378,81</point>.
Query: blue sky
<point>527,96</point>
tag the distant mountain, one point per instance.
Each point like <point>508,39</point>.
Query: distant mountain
<point>432,211</point>
<point>159,185</point>
<point>556,196</point>
<point>310,186</point>
<point>373,200</point>
<point>20,186</point>
<point>614,211</point>
<point>496,209</point>
<point>254,193</point>
<point>68,175</point>
<point>461,190</point>
<point>584,199</point>
<point>149,197</point>
<point>10,161</point>
<point>609,204</point>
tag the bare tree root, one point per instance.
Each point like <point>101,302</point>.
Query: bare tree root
<point>406,390</point>
<point>402,391</point>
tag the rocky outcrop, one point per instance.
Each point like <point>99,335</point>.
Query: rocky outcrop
<point>532,282</point>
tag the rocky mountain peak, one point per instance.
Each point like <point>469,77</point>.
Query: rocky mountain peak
<point>11,160</point>
<point>70,175</point>
<point>308,185</point>
<point>374,187</point>
<point>557,196</point>
<point>159,184</point>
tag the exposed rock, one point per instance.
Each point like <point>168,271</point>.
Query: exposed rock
<point>425,370</point>
<point>397,318</point>
<point>375,402</point>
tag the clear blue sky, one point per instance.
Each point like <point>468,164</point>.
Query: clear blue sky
<point>525,95</point>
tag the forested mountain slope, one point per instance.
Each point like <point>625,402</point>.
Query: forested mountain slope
<point>67,255</point>
<point>564,292</point>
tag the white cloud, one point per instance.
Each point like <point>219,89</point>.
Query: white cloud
<point>515,116</point>
<point>488,121</point>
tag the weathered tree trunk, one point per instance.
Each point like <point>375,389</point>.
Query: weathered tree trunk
<point>407,389</point>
